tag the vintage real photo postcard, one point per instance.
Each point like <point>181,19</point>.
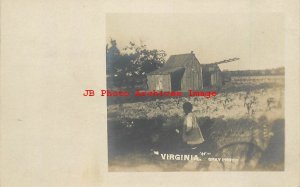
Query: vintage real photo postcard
<point>150,93</point>
<point>190,92</point>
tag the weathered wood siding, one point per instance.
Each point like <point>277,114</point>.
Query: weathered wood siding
<point>151,82</point>
<point>159,82</point>
<point>192,78</point>
<point>216,79</point>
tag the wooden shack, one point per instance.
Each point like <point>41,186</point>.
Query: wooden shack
<point>181,72</point>
<point>212,76</point>
<point>184,72</point>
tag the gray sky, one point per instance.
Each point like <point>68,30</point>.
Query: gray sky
<point>258,39</point>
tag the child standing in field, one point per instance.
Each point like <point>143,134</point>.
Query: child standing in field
<point>191,133</point>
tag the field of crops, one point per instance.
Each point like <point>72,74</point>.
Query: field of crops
<point>249,111</point>
<point>226,104</point>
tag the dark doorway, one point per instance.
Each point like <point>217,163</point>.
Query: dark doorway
<point>176,79</point>
<point>206,79</point>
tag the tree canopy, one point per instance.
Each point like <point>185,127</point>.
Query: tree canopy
<point>130,66</point>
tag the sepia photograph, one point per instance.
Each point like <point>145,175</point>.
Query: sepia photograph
<point>195,92</point>
<point>108,93</point>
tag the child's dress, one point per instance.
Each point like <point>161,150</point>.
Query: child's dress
<point>191,132</point>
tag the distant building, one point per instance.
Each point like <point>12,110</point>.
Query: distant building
<point>184,72</point>
<point>211,75</point>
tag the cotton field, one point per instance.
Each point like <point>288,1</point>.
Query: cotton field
<point>264,101</point>
<point>244,122</point>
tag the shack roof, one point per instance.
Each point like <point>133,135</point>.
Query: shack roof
<point>175,63</point>
<point>180,60</point>
<point>210,67</point>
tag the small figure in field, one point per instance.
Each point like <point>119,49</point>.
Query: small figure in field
<point>249,101</point>
<point>191,133</point>
<point>246,98</point>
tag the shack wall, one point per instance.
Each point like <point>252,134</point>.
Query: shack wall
<point>216,79</point>
<point>192,78</point>
<point>159,82</point>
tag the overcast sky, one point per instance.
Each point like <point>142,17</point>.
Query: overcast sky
<point>257,39</point>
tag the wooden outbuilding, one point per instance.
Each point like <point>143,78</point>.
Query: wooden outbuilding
<point>212,76</point>
<point>181,72</point>
<point>184,72</point>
